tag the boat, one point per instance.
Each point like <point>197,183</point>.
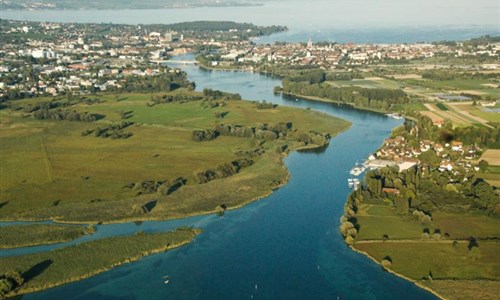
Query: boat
<point>395,116</point>
<point>356,171</point>
<point>353,183</point>
<point>166,281</point>
<point>350,183</point>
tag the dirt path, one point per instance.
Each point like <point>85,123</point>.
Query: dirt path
<point>48,165</point>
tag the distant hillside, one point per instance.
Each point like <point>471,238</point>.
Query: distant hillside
<point>118,4</point>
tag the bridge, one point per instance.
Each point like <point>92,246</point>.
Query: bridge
<point>176,62</point>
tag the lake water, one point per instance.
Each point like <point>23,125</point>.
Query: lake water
<point>382,21</point>
<point>286,246</point>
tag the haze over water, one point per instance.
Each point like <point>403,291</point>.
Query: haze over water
<point>390,21</point>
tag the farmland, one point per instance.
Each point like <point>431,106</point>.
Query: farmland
<point>446,261</point>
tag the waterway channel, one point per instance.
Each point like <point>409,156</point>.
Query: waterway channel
<point>286,246</point>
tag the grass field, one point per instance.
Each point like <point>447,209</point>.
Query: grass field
<point>471,86</point>
<point>418,259</point>
<point>39,234</point>
<point>461,226</point>
<point>49,269</point>
<point>375,221</point>
<point>433,116</point>
<point>492,156</point>
<point>440,111</point>
<point>49,170</point>
<point>370,83</point>
<point>451,264</point>
<point>465,289</point>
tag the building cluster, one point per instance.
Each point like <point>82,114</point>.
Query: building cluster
<point>77,62</point>
<point>329,55</point>
<point>452,156</point>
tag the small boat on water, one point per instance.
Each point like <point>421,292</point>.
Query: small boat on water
<point>350,183</point>
<point>358,169</point>
<point>395,116</point>
<point>353,183</point>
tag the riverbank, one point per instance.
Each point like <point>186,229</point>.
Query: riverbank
<point>417,283</point>
<point>50,269</point>
<point>340,103</point>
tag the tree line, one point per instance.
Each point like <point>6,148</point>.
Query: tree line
<point>69,115</point>
<point>114,131</point>
<point>223,170</point>
<point>263,131</point>
<point>162,187</point>
<point>379,98</point>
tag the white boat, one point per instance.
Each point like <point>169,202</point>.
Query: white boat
<point>356,171</point>
<point>395,116</point>
<point>350,183</point>
<point>353,183</point>
<point>166,281</point>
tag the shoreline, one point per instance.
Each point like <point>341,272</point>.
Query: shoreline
<point>415,282</point>
<point>282,182</point>
<point>131,259</point>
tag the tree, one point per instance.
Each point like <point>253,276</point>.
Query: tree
<point>9,282</point>
<point>483,165</point>
<point>387,262</point>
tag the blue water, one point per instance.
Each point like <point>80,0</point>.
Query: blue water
<point>360,21</point>
<point>286,246</point>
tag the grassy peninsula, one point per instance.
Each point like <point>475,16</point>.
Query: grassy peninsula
<point>49,269</point>
<point>111,158</point>
<point>39,234</point>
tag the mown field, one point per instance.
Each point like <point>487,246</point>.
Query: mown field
<point>49,269</point>
<point>375,221</point>
<point>39,234</point>
<point>440,259</point>
<point>451,263</point>
<point>492,156</point>
<point>49,170</point>
<point>467,86</point>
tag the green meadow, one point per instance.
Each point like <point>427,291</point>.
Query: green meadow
<point>464,255</point>
<point>39,234</point>
<point>50,170</point>
<point>440,259</point>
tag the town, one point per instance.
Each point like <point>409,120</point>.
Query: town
<point>40,59</point>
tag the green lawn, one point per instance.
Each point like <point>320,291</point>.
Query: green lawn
<point>375,221</point>
<point>488,116</point>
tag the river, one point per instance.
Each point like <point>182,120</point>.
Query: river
<point>286,246</point>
